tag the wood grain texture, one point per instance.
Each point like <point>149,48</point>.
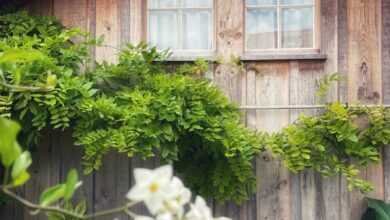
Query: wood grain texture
<point>137,21</point>
<point>342,49</point>
<point>364,42</point>
<point>107,25</point>
<point>72,13</point>
<point>273,193</point>
<point>386,85</point>
<point>229,27</point>
<point>356,42</point>
<point>41,7</point>
<point>71,158</point>
<point>45,169</point>
<point>111,184</point>
<point>304,76</point>
<point>124,8</point>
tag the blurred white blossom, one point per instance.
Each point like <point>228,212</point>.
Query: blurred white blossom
<point>166,197</point>
<point>141,217</point>
<point>151,187</point>
<point>199,210</point>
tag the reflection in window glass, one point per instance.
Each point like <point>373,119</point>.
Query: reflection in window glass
<point>196,29</point>
<point>261,28</point>
<point>162,3</point>
<point>197,3</point>
<point>296,2</point>
<point>162,29</point>
<point>297,28</point>
<point>278,24</point>
<point>185,25</point>
<point>261,2</point>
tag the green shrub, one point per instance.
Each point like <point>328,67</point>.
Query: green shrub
<point>135,107</point>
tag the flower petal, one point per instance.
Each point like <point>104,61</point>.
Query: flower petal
<point>164,172</point>
<point>141,217</point>
<point>141,174</point>
<point>138,193</point>
<point>154,204</point>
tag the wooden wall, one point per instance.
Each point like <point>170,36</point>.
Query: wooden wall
<point>355,37</point>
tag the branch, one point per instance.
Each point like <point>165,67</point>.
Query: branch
<point>34,206</point>
<point>16,88</point>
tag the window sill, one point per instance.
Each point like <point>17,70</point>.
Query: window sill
<point>280,57</point>
<point>251,57</point>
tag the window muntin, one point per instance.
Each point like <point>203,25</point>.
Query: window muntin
<point>181,25</point>
<point>280,24</point>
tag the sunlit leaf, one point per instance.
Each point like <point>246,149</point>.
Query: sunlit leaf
<point>21,164</point>
<point>9,148</point>
<point>22,178</point>
<point>52,195</point>
<point>71,184</point>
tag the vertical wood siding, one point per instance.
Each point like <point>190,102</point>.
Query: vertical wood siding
<point>355,36</point>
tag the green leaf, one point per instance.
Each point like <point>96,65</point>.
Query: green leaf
<point>377,208</point>
<point>52,195</point>
<point>21,164</point>
<point>71,184</point>
<point>22,178</point>
<point>9,148</point>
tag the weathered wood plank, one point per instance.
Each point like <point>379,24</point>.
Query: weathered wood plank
<point>111,184</point>
<point>365,79</point>
<point>124,9</point>
<point>107,25</point>
<point>273,193</point>
<point>364,60</point>
<point>41,7</point>
<point>137,21</point>
<point>386,85</point>
<point>72,159</point>
<point>303,78</point>
<point>229,27</point>
<point>45,170</point>
<point>72,13</point>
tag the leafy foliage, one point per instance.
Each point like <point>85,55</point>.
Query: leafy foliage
<point>187,121</point>
<point>37,54</point>
<point>138,107</point>
<point>340,140</point>
<point>377,210</point>
<point>135,107</point>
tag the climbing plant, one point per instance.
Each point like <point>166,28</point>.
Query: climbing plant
<point>138,106</point>
<point>135,107</point>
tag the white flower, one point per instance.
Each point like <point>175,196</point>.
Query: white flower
<point>180,196</point>
<point>141,217</point>
<point>152,187</point>
<point>222,218</point>
<point>165,216</point>
<point>199,210</point>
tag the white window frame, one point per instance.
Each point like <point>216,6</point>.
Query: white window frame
<point>279,50</point>
<point>186,53</point>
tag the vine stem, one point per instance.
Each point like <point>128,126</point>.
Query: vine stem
<point>34,206</point>
<point>16,88</point>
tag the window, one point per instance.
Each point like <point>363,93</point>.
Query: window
<point>280,24</point>
<point>181,25</point>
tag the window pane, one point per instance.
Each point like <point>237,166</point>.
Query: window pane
<point>196,29</point>
<point>260,2</point>
<point>297,28</point>
<point>197,3</point>
<point>163,29</point>
<point>295,2</point>
<point>261,29</point>
<point>162,3</point>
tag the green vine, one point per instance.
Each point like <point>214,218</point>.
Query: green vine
<point>139,107</point>
<point>135,107</point>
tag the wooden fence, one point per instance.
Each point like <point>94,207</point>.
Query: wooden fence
<point>355,37</point>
